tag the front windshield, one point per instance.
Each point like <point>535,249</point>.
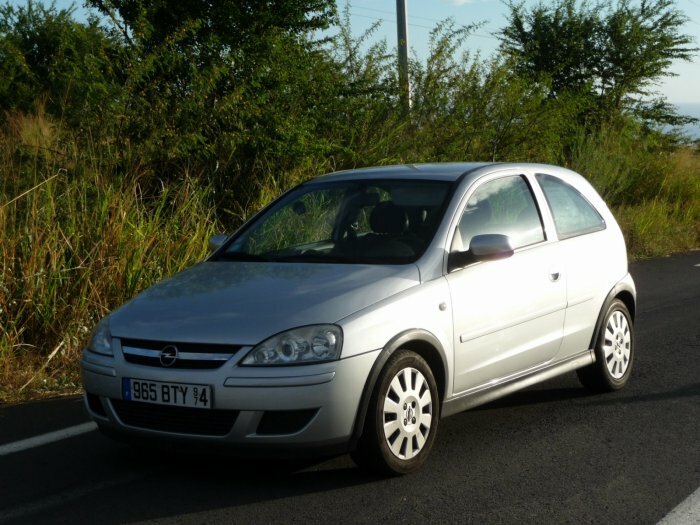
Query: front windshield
<point>375,222</point>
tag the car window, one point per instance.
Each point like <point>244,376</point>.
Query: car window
<point>308,219</point>
<point>505,206</point>
<point>373,222</point>
<point>573,214</point>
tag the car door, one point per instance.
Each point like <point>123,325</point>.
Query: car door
<point>593,258</point>
<point>508,314</point>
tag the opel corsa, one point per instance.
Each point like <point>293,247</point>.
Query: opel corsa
<point>360,307</point>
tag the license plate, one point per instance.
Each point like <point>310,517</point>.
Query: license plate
<point>160,393</point>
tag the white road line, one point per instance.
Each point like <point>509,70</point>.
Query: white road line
<point>687,513</point>
<point>44,439</point>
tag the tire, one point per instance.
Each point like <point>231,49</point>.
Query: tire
<point>614,352</point>
<point>402,417</point>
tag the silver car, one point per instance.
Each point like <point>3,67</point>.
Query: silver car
<point>360,307</point>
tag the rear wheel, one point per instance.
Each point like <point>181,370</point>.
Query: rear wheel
<point>402,418</point>
<point>614,352</point>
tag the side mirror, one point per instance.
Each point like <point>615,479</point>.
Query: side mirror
<point>217,241</point>
<point>487,247</point>
<point>490,246</point>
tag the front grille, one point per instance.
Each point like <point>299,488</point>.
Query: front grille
<point>189,364</point>
<point>191,356</point>
<point>182,420</point>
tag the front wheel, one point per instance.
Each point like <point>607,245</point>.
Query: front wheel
<point>614,352</point>
<point>402,418</point>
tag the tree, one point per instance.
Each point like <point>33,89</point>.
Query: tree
<point>207,35</point>
<point>196,71</point>
<point>48,59</point>
<point>613,52</point>
<point>231,23</point>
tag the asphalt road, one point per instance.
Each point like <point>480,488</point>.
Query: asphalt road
<point>550,454</point>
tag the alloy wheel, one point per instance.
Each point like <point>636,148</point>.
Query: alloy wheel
<point>408,413</point>
<point>617,344</point>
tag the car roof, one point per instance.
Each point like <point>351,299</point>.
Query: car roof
<point>447,171</point>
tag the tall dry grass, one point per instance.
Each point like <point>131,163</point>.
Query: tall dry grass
<point>654,191</point>
<point>77,240</point>
<point>668,221</point>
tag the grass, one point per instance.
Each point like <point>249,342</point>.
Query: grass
<point>84,228</point>
<point>654,192</point>
<point>668,221</point>
<point>76,241</point>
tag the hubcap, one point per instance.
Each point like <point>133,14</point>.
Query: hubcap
<point>617,346</point>
<point>408,413</point>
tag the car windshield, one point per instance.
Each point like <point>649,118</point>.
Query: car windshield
<point>374,222</point>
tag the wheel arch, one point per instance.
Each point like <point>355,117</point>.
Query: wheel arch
<point>625,293</point>
<point>626,297</point>
<point>422,343</point>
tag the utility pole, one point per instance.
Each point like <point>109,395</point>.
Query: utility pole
<point>402,34</point>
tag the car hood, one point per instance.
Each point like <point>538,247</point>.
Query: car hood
<point>244,303</point>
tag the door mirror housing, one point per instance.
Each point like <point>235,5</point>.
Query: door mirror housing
<point>491,246</point>
<point>487,247</point>
<point>217,241</point>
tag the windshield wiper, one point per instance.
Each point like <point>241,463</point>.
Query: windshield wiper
<point>312,257</point>
<point>240,256</point>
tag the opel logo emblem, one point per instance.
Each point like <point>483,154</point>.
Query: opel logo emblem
<point>168,356</point>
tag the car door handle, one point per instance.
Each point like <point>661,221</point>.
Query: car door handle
<point>554,276</point>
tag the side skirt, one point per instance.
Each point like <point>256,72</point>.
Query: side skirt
<point>486,393</point>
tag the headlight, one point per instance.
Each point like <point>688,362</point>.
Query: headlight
<point>101,341</point>
<point>308,344</point>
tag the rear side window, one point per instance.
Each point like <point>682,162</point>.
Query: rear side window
<point>573,214</point>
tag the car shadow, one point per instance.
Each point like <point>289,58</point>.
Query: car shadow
<point>169,485</point>
<point>190,483</point>
<point>535,397</point>
<point>538,395</point>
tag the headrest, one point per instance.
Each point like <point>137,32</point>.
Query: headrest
<point>387,217</point>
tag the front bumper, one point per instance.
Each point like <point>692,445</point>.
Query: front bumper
<point>309,406</point>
